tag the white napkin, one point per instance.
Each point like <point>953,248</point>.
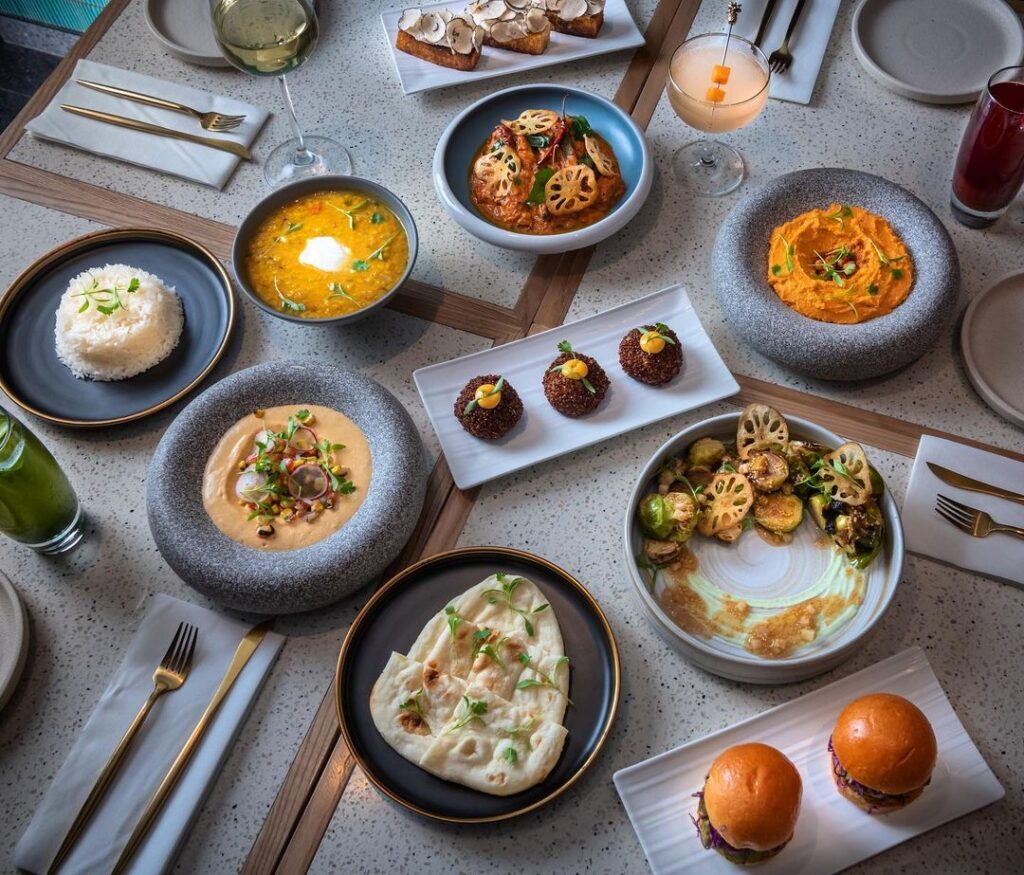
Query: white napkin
<point>155,746</point>
<point>1000,556</point>
<point>808,43</point>
<point>176,157</point>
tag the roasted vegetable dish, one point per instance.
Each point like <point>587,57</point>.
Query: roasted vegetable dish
<point>545,173</point>
<point>764,480</point>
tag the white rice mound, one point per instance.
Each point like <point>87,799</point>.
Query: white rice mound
<point>131,339</point>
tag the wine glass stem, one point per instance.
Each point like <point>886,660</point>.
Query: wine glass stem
<point>302,155</point>
<point>707,155</point>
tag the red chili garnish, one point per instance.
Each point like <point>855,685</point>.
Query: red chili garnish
<point>504,132</point>
<point>556,138</point>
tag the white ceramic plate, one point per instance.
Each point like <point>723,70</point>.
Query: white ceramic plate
<point>832,833</point>
<point>185,29</point>
<point>936,51</point>
<point>751,568</point>
<point>13,638</point>
<point>618,32</point>
<point>543,433</point>
<point>990,338</point>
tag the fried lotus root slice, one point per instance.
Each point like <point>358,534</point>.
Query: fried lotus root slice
<point>570,190</point>
<point>761,428</point>
<point>533,121</point>
<point>853,487</point>
<point>603,162</point>
<point>498,168</point>
<point>728,498</point>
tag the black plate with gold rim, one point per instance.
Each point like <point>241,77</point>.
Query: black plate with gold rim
<point>36,379</point>
<point>391,621</point>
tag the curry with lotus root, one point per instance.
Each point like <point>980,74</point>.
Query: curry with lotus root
<point>545,173</point>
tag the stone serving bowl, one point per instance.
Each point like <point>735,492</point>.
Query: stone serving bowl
<point>283,582</point>
<point>822,349</point>
<point>759,564</point>
<point>287,194</point>
<point>453,158</point>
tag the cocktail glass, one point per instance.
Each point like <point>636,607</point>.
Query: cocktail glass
<point>38,507</point>
<point>706,166</point>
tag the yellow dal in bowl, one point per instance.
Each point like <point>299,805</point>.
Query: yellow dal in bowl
<point>366,259</point>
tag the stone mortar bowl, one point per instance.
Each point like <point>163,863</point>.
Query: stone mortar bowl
<point>288,581</point>
<point>825,350</point>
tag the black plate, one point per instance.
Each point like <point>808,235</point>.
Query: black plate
<point>33,376</point>
<point>392,620</point>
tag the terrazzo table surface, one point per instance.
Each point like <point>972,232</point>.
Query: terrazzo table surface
<point>83,609</point>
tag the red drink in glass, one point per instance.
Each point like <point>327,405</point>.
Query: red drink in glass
<point>990,165</point>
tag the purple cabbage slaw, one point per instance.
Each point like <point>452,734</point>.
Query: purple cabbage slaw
<point>876,799</point>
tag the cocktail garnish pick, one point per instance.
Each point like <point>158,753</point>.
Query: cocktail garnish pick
<point>732,13</point>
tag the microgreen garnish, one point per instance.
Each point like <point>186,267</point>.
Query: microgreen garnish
<point>841,468</point>
<point>789,253</point>
<point>872,289</point>
<point>379,253</point>
<point>536,195</point>
<point>882,257</point>
<point>659,329</point>
<point>510,755</point>
<point>337,290</point>
<point>835,265</point>
<point>106,300</point>
<point>286,302</point>
<point>473,710</point>
<point>350,211</point>
<point>482,645</point>
<point>840,215</point>
<point>475,402</point>
<point>542,679</point>
<point>506,595</point>
<point>564,346</point>
<point>588,386</point>
<point>776,269</point>
<point>376,219</point>
<point>453,621</point>
<point>290,228</point>
<point>897,273</point>
<point>412,705</point>
<point>524,728</point>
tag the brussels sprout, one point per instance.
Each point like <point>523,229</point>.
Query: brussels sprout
<point>700,478</point>
<point>877,483</point>
<point>866,555</point>
<point>765,470</point>
<point>778,512</point>
<point>672,472</point>
<point>705,452</point>
<point>656,516</point>
<point>685,514</point>
<point>817,504</point>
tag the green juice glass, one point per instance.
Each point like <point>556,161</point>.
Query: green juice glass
<point>38,507</point>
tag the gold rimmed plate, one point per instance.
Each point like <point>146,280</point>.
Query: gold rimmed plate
<point>36,379</point>
<point>391,621</point>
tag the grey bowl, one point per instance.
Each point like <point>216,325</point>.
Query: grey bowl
<point>822,349</point>
<point>290,192</point>
<point>285,582</point>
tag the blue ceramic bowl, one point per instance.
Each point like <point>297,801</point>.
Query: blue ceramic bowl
<point>290,192</point>
<point>461,139</point>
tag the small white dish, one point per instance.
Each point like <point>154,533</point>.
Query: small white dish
<point>780,572</point>
<point>936,51</point>
<point>544,433</point>
<point>619,32</point>
<point>990,338</point>
<point>13,638</point>
<point>832,833</point>
<point>185,29</point>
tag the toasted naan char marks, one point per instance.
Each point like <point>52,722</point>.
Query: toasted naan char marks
<point>409,703</point>
<point>446,643</point>
<point>512,604</point>
<point>474,752</point>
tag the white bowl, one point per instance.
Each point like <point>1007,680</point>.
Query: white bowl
<point>732,662</point>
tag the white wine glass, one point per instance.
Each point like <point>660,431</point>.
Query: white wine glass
<point>271,38</point>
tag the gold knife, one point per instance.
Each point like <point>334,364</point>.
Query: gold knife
<point>972,485</point>
<point>245,649</point>
<point>134,124</point>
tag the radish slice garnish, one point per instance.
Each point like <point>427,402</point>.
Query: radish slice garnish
<point>251,486</point>
<point>308,482</point>
<point>304,439</point>
<point>266,437</point>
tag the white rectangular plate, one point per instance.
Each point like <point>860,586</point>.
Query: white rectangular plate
<point>544,433</point>
<point>618,32</point>
<point>832,833</point>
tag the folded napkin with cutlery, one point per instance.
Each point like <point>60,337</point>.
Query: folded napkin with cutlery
<point>154,748</point>
<point>176,157</point>
<point>928,534</point>
<point>808,44</point>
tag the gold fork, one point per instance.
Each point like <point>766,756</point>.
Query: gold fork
<point>975,522</point>
<point>169,675</point>
<point>780,60</point>
<point>210,121</point>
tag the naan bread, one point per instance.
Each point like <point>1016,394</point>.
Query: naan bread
<point>474,753</point>
<point>429,698</point>
<point>481,696</point>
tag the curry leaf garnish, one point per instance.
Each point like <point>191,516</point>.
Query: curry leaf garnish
<point>286,302</point>
<point>106,300</point>
<point>337,290</point>
<point>580,126</point>
<point>536,195</point>
<point>472,710</point>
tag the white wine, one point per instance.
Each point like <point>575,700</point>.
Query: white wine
<point>265,37</point>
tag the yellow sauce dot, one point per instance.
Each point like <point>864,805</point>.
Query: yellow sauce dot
<point>652,342</point>
<point>720,74</point>
<point>486,397</point>
<point>714,95</point>
<point>574,369</point>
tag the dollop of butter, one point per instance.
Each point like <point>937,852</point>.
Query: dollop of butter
<point>324,253</point>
